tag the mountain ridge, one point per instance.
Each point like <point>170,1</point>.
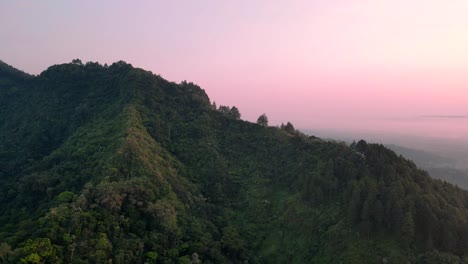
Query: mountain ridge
<point>115,164</point>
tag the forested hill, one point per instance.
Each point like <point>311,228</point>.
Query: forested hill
<point>113,164</point>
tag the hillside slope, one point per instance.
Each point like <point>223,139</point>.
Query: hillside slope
<point>117,165</point>
<point>438,167</point>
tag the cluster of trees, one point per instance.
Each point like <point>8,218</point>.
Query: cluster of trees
<point>123,166</point>
<point>232,112</point>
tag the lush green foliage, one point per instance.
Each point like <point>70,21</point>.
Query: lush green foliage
<point>115,164</point>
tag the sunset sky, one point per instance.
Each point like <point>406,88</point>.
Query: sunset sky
<point>328,64</point>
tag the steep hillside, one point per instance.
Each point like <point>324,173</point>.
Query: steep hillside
<point>117,165</point>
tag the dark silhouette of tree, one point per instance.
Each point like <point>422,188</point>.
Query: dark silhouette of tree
<point>224,109</point>
<point>77,62</point>
<point>213,106</point>
<point>234,113</point>
<point>288,128</point>
<point>262,120</point>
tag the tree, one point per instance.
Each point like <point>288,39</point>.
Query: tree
<point>361,146</point>
<point>288,128</point>
<point>5,249</point>
<point>262,120</point>
<point>195,259</point>
<point>151,257</point>
<point>224,109</point>
<point>39,250</point>
<point>77,62</point>
<point>355,204</point>
<point>407,229</point>
<point>234,113</point>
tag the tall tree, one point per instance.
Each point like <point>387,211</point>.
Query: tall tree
<point>262,120</point>
<point>407,228</point>
<point>234,113</point>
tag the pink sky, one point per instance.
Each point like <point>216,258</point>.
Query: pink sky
<point>339,64</point>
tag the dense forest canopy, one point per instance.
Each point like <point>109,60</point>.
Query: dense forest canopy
<point>114,164</point>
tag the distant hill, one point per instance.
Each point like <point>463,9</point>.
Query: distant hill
<point>114,164</point>
<point>421,157</point>
<point>440,167</point>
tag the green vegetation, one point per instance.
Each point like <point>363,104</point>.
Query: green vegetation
<point>117,165</point>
